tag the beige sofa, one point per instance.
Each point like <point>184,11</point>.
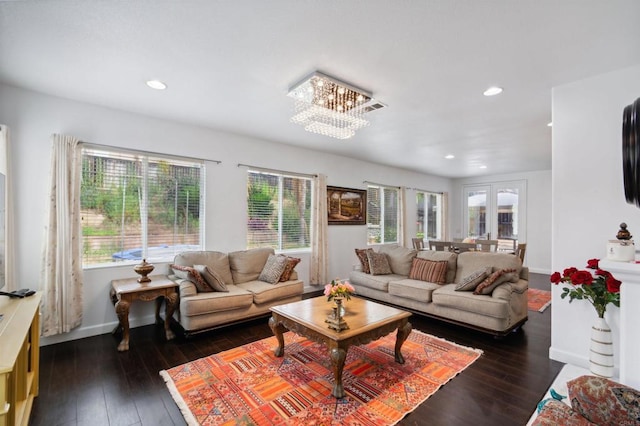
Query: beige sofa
<point>246,298</point>
<point>499,313</point>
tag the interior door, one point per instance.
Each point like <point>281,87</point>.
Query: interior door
<point>477,212</point>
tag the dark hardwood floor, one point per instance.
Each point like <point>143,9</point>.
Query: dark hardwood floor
<point>87,382</point>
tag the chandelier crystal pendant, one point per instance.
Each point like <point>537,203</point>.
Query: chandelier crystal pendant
<point>330,107</point>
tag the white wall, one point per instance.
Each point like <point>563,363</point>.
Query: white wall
<point>33,117</point>
<point>538,224</point>
<point>588,195</point>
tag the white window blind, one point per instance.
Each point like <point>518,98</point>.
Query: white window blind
<point>431,220</point>
<point>137,206</point>
<point>279,211</point>
<point>382,214</point>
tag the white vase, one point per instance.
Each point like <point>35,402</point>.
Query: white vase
<point>601,351</point>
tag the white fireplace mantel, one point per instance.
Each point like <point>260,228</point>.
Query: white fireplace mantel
<point>629,274</point>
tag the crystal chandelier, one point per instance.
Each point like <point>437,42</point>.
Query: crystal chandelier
<point>330,107</point>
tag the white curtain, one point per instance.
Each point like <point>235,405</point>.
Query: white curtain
<point>8,226</point>
<point>319,248</point>
<point>402,215</point>
<point>62,265</point>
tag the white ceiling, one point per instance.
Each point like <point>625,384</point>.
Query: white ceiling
<point>228,65</point>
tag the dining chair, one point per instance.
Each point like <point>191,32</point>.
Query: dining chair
<point>462,247</point>
<point>520,251</point>
<point>440,245</point>
<point>487,245</point>
<point>418,243</point>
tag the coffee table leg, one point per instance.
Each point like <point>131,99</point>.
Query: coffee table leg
<point>278,330</point>
<point>338,356</point>
<point>401,336</point>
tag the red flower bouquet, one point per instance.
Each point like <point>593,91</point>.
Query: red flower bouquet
<point>599,288</point>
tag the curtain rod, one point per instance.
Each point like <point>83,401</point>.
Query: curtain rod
<point>97,145</point>
<point>284,172</point>
<point>424,190</point>
<point>381,184</point>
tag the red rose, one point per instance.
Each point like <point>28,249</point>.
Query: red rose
<point>569,271</point>
<point>556,277</point>
<point>613,285</point>
<point>581,277</point>
<point>603,273</point>
<point>593,263</point>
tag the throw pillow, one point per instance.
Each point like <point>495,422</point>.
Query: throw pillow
<point>471,281</point>
<point>493,281</point>
<point>378,263</point>
<point>212,278</point>
<point>429,270</point>
<point>190,274</point>
<point>288,269</point>
<point>273,268</point>
<point>364,261</point>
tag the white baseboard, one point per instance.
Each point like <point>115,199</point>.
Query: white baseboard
<point>96,330</point>
<point>540,271</point>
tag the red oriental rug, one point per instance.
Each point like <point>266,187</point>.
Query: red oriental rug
<point>538,300</point>
<point>249,385</point>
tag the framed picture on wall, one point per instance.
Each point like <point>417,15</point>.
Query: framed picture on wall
<point>346,206</point>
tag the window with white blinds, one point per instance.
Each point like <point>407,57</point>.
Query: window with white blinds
<point>431,218</point>
<point>382,214</point>
<point>279,211</point>
<point>137,206</point>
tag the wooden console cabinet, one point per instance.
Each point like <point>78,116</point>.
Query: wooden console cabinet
<point>19,358</point>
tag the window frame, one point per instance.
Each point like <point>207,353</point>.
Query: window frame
<point>382,209</point>
<point>282,175</point>
<point>144,158</point>
<point>441,220</point>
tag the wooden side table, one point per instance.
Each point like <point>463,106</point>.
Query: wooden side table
<point>125,291</point>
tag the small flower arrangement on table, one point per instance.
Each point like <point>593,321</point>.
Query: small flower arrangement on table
<point>599,288</point>
<point>338,289</point>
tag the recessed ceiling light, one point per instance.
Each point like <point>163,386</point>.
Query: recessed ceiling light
<point>550,124</point>
<point>483,167</point>
<point>492,91</point>
<point>449,156</point>
<point>156,84</point>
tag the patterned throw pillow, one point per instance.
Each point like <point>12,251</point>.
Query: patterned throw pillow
<point>212,278</point>
<point>603,401</point>
<point>364,260</point>
<point>471,281</point>
<point>429,270</point>
<point>273,268</point>
<point>378,263</point>
<point>288,269</point>
<point>189,273</point>
<point>494,280</point>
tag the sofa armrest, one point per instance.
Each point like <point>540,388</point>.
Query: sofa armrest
<point>187,288</point>
<point>524,273</point>
<point>505,290</point>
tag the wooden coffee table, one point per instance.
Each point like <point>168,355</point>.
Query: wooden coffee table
<point>368,321</point>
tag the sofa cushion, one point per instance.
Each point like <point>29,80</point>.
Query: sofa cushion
<point>364,260</point>
<point>191,274</point>
<point>471,261</point>
<point>447,295</point>
<point>400,258</point>
<point>215,260</point>
<point>428,270</point>
<point>603,401</point>
<point>451,258</point>
<point>246,265</point>
<point>273,268</point>
<point>264,292</point>
<point>212,278</point>
<point>288,269</point>
<point>378,263</point>
<point>376,282</point>
<point>205,303</point>
<point>471,281</point>
<point>417,290</point>
<point>494,280</point>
